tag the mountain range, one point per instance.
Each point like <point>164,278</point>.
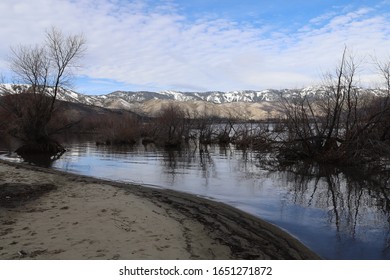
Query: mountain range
<point>255,104</point>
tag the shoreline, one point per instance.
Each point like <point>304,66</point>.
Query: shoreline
<point>51,214</point>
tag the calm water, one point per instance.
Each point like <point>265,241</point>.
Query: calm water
<point>339,215</point>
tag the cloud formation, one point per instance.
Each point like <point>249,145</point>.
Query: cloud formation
<point>145,46</point>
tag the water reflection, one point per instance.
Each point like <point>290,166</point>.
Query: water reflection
<point>43,160</point>
<point>9,145</point>
<point>356,202</point>
<point>340,213</point>
<point>350,204</point>
<point>178,163</point>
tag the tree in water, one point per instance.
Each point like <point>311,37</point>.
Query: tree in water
<point>45,69</point>
<point>344,124</point>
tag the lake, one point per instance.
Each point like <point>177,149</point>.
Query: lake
<point>339,214</point>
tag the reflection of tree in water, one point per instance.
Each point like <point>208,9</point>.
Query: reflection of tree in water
<point>43,160</point>
<point>356,201</point>
<point>206,162</point>
<point>181,160</point>
<point>10,144</point>
<point>171,160</point>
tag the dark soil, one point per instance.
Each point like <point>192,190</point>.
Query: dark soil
<point>15,194</point>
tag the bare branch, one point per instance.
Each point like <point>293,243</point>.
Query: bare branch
<point>45,68</point>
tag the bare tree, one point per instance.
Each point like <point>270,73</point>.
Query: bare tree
<point>382,105</point>
<point>45,69</point>
<point>342,124</point>
<point>172,126</point>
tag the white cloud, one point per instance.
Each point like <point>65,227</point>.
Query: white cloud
<point>157,47</point>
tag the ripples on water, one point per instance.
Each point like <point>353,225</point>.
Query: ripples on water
<point>339,214</point>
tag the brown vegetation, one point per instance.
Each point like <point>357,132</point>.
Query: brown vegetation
<point>45,69</point>
<point>345,125</point>
<point>171,127</point>
<point>118,129</point>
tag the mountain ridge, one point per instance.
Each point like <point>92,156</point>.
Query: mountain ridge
<point>131,100</point>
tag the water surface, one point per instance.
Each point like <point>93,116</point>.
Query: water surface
<point>336,214</point>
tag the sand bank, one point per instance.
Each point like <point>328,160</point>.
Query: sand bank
<point>48,214</point>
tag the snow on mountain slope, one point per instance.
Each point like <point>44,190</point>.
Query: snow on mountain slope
<point>125,99</point>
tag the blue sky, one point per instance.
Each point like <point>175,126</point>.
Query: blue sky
<point>205,44</point>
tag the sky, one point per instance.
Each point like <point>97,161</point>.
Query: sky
<point>205,45</point>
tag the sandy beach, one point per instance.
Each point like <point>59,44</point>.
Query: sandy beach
<point>49,214</point>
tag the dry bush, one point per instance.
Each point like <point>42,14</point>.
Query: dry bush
<point>172,126</point>
<point>342,126</point>
<point>118,129</point>
<point>251,135</point>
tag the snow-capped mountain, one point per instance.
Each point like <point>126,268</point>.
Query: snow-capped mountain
<point>127,99</point>
<point>63,94</point>
<point>216,97</point>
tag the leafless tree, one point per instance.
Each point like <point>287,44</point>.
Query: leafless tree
<point>45,69</point>
<point>382,105</point>
<point>118,129</point>
<point>172,126</point>
<point>340,125</point>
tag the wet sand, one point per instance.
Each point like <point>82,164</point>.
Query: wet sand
<point>49,214</point>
